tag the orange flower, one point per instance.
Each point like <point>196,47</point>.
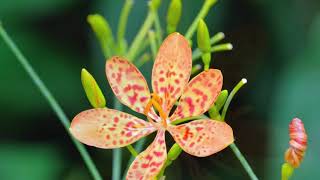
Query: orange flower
<point>109,128</point>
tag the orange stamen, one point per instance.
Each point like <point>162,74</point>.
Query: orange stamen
<point>162,114</point>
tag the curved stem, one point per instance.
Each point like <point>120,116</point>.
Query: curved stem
<point>202,13</point>
<point>51,100</point>
<point>243,161</point>
<point>140,36</point>
<point>217,48</point>
<point>233,92</point>
<point>123,20</point>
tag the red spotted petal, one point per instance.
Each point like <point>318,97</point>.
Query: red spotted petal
<point>202,137</point>
<point>127,83</point>
<point>148,164</point>
<point>171,69</point>
<point>199,95</point>
<point>108,128</point>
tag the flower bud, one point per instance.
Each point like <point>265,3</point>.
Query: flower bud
<point>102,31</point>
<point>203,37</point>
<point>173,15</point>
<point>92,90</point>
<point>221,99</point>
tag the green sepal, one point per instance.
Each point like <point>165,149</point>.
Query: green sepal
<point>286,171</point>
<point>92,90</point>
<point>173,15</point>
<point>103,32</point>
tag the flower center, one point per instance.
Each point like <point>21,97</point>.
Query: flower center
<point>156,102</point>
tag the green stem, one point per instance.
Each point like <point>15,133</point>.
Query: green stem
<point>116,156</point>
<point>50,99</point>
<point>157,27</point>
<point>217,38</point>
<point>153,44</point>
<point>243,161</point>
<point>203,12</point>
<point>233,92</point>
<point>140,36</point>
<point>221,47</point>
<point>133,152</point>
<point>123,20</point>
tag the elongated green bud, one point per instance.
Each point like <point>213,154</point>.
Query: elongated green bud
<point>173,15</point>
<point>203,39</point>
<point>102,31</point>
<point>92,90</point>
<point>286,171</point>
<point>214,111</point>
<point>174,152</point>
<point>221,99</point>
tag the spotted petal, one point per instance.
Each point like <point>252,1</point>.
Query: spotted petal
<point>171,69</point>
<point>149,163</point>
<point>202,137</point>
<point>108,128</point>
<point>127,83</point>
<point>199,95</point>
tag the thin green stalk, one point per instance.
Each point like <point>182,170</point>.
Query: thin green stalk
<point>50,99</point>
<point>132,52</point>
<point>243,161</point>
<point>142,60</point>
<point>133,152</point>
<point>116,156</point>
<point>153,44</point>
<point>122,26</point>
<point>217,38</point>
<point>217,48</point>
<point>202,13</point>
<point>157,27</point>
<point>233,92</point>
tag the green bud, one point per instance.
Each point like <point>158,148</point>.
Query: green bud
<point>102,31</point>
<point>221,99</point>
<point>173,15</point>
<point>92,90</point>
<point>174,152</point>
<point>286,171</point>
<point>214,113</point>
<point>203,37</point>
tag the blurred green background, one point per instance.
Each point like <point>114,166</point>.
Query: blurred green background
<point>276,47</point>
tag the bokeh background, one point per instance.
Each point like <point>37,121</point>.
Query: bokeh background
<point>276,47</point>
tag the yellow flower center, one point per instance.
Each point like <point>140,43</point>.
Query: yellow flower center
<point>156,102</point>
